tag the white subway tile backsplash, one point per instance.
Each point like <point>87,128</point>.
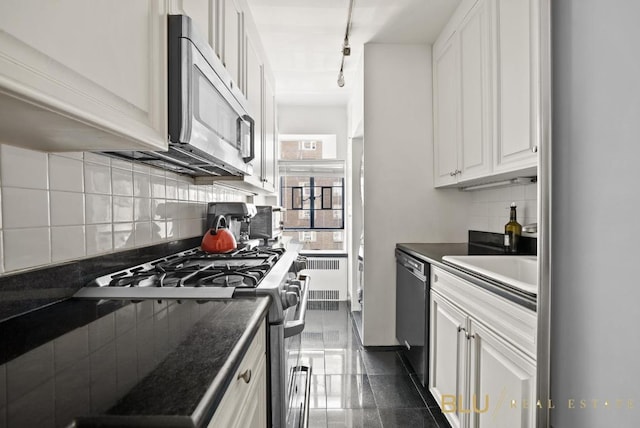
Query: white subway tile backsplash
<point>67,208</point>
<point>66,173</point>
<point>64,206</point>
<point>24,208</point>
<point>123,236</point>
<point>142,233</point>
<point>99,238</point>
<point>23,168</point>
<point>183,191</point>
<point>121,164</point>
<point>98,209</point>
<point>25,248</point>
<point>142,209</point>
<point>159,209</point>
<point>122,209</point>
<point>122,181</point>
<point>159,231</point>
<point>158,189</point>
<point>141,185</point>
<point>67,243</point>
<point>97,178</point>
<point>97,158</point>
<point>498,202</point>
<point>171,189</point>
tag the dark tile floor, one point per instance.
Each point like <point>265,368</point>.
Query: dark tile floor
<point>354,387</point>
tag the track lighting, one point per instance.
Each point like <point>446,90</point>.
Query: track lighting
<point>346,49</point>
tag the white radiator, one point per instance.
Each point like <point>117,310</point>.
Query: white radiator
<point>328,278</point>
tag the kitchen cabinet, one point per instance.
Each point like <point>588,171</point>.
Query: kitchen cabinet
<point>269,155</point>
<point>83,75</point>
<point>517,83</point>
<point>482,347</point>
<point>485,92</point>
<point>244,404</point>
<point>462,83</point>
<point>205,16</point>
<point>232,41</point>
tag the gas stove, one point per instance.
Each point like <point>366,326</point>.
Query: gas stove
<point>195,274</point>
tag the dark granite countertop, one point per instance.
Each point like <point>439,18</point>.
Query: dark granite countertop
<point>146,363</point>
<point>432,253</point>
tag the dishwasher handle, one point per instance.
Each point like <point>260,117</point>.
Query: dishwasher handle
<point>415,267</point>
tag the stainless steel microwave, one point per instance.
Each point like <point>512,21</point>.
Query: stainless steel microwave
<point>211,132</point>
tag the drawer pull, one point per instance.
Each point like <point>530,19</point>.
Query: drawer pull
<point>246,376</point>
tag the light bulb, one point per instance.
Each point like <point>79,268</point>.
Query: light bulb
<point>341,79</point>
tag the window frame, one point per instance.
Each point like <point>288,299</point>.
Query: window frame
<point>312,203</point>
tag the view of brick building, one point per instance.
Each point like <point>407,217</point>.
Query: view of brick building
<point>314,204</point>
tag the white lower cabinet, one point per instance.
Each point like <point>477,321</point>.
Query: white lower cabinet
<point>244,404</point>
<point>479,375</point>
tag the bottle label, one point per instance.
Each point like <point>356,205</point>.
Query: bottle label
<point>507,241</point>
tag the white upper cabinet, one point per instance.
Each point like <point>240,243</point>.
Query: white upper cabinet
<point>446,111</point>
<point>204,14</point>
<point>486,108</point>
<point>462,108</point>
<point>474,151</point>
<point>78,75</point>
<point>232,50</point>
<point>270,136</point>
<point>517,83</point>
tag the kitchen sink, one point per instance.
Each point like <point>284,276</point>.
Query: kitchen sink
<point>517,271</point>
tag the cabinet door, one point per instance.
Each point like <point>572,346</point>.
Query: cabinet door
<point>232,52</point>
<point>204,14</point>
<point>253,413</point>
<point>254,93</point>
<point>269,154</point>
<point>448,358</point>
<point>91,75</point>
<point>502,382</point>
<point>517,84</point>
<point>474,156</point>
<point>446,100</point>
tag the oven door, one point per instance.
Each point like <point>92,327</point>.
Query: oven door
<point>298,376</point>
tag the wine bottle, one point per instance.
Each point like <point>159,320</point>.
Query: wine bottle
<point>512,232</point>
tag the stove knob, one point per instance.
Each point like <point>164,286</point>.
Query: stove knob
<point>300,263</point>
<point>291,298</point>
<point>294,288</point>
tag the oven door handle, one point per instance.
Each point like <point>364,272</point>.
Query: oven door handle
<point>291,328</point>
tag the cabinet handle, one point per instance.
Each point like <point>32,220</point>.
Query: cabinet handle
<point>246,376</point>
<point>452,174</point>
<point>534,149</point>
<point>470,336</point>
<point>435,278</point>
<point>460,328</point>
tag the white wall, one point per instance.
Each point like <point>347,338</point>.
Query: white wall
<point>67,206</point>
<point>401,204</point>
<point>315,120</point>
<point>595,202</point>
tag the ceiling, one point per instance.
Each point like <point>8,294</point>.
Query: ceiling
<point>303,40</point>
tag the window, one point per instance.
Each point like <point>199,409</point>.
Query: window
<point>312,191</point>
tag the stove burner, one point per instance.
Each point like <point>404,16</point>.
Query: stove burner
<point>196,268</point>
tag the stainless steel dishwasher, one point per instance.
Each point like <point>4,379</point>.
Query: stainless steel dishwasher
<point>412,311</point>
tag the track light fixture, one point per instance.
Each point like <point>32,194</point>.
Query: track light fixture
<point>346,49</point>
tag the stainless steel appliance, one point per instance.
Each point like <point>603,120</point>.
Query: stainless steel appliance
<point>239,217</point>
<point>210,130</point>
<point>268,223</point>
<point>262,271</point>
<point>412,311</point>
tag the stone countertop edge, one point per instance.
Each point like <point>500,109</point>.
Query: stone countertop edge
<point>209,403</point>
<point>433,253</point>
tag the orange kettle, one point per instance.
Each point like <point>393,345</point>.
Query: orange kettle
<point>218,239</point>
